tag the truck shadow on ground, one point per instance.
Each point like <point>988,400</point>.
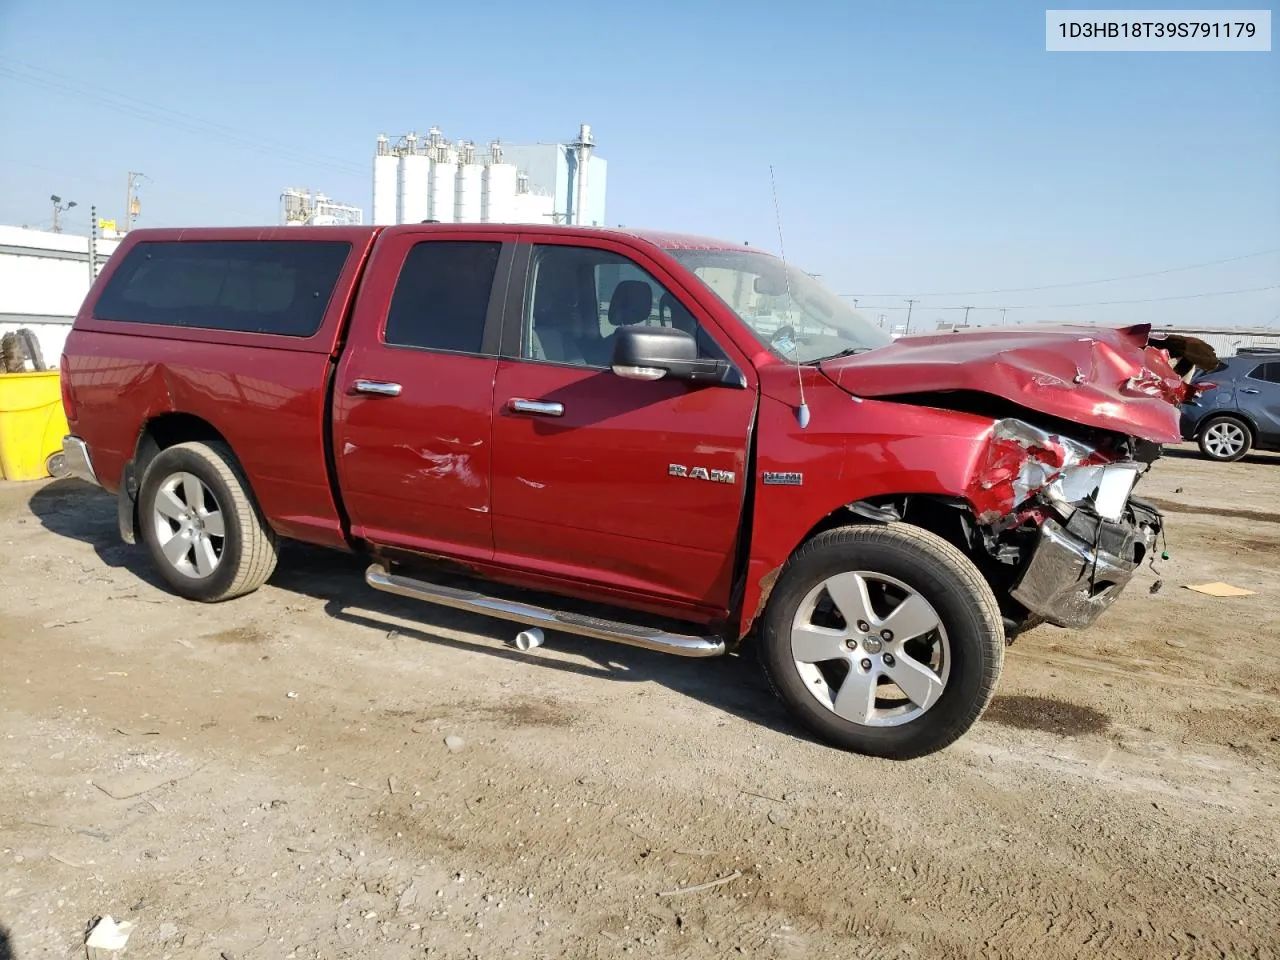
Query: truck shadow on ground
<point>735,685</point>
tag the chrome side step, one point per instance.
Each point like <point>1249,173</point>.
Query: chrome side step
<point>380,578</point>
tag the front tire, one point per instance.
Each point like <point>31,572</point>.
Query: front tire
<point>1224,438</point>
<point>205,534</point>
<point>883,640</point>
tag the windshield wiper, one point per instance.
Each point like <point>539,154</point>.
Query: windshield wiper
<point>848,352</point>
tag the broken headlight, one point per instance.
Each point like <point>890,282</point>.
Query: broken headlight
<point>1023,460</point>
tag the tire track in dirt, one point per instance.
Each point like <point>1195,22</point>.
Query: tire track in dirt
<point>1236,513</point>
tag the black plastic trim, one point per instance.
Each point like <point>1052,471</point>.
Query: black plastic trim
<point>513,314</point>
<point>746,529</point>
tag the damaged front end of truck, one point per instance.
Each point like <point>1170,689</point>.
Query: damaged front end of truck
<point>1056,522</point>
<point>1077,419</point>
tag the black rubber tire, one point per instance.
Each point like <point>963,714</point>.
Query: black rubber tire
<point>1208,422</point>
<point>942,575</point>
<point>250,547</point>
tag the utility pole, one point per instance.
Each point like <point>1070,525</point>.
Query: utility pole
<point>131,205</point>
<point>93,244</point>
<point>966,315</point>
<point>910,304</point>
<point>58,209</point>
<point>1002,312</point>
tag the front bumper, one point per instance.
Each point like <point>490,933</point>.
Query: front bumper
<point>76,454</point>
<point>1080,567</point>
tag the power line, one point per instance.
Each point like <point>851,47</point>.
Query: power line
<point>69,85</point>
<point>1075,283</point>
<point>154,113</point>
<point>1096,303</point>
<point>100,183</point>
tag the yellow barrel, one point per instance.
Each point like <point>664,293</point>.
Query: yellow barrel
<point>32,424</point>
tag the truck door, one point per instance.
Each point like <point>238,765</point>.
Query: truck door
<point>629,488</point>
<point>414,392</point>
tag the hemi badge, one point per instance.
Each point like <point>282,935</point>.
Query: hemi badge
<point>784,479</point>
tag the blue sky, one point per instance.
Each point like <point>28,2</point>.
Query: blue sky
<point>924,149</point>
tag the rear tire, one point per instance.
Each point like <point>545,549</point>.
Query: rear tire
<point>913,693</point>
<point>1224,438</point>
<point>201,526</point>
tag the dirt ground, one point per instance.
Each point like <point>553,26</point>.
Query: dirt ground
<point>269,778</point>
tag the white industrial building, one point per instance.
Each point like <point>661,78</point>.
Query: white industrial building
<point>303,208</point>
<point>44,278</point>
<point>429,178</point>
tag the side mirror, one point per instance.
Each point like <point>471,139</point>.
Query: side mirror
<point>651,353</point>
<point>769,286</point>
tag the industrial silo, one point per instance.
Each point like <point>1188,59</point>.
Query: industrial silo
<point>415,183</point>
<point>386,208</point>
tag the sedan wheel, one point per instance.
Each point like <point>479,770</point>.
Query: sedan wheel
<point>1225,439</point>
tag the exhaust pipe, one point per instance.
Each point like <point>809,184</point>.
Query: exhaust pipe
<point>526,640</point>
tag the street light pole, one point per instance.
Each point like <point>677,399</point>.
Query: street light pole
<point>58,209</point>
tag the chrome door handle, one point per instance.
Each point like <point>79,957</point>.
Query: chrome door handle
<point>378,388</point>
<point>1248,390</point>
<point>541,408</point>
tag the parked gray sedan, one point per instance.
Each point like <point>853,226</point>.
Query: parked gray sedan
<point>1242,410</point>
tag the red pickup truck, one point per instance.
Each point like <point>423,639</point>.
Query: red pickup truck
<point>684,432</point>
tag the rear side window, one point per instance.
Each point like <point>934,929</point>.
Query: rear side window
<point>1266,371</point>
<point>281,287</point>
<point>442,296</point>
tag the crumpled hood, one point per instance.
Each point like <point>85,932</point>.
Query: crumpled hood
<point>1125,379</point>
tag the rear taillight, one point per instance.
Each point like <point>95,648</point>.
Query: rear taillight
<point>64,381</point>
<point>1199,388</point>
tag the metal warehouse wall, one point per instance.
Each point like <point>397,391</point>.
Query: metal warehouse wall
<point>44,278</point>
<point>1228,341</point>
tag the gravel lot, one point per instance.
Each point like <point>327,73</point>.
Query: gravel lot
<point>269,778</point>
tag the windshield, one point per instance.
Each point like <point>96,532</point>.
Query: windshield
<point>791,314</point>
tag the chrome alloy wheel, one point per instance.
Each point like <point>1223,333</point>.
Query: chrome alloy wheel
<point>870,649</point>
<point>1225,439</point>
<point>189,525</point>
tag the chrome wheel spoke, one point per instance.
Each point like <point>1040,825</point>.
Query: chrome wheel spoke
<point>814,644</point>
<point>856,699</point>
<point>213,523</point>
<point>176,549</point>
<point>914,617</point>
<point>170,505</point>
<point>848,591</point>
<point>921,685</point>
<point>206,559</point>
<point>192,491</point>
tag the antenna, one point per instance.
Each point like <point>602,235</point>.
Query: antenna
<point>802,414</point>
